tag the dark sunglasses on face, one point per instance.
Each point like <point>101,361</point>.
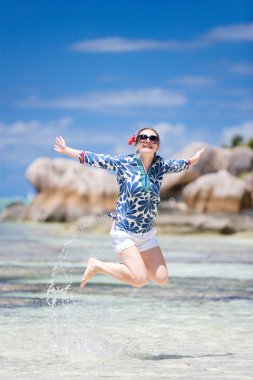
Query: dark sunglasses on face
<point>153,139</point>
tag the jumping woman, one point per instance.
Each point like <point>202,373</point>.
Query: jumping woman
<point>139,177</point>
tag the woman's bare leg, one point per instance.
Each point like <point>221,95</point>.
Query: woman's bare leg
<point>156,266</point>
<point>132,270</point>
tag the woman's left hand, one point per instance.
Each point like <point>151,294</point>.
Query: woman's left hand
<point>195,159</point>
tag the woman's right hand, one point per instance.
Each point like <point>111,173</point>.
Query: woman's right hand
<point>60,144</point>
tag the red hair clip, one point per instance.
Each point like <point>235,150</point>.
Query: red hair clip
<point>131,140</point>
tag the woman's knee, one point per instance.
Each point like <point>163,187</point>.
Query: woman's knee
<point>161,277</point>
<point>140,279</point>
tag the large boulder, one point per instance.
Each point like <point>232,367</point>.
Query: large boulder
<point>240,161</point>
<point>14,211</point>
<point>217,192</point>
<point>67,190</point>
<point>249,184</point>
<point>212,160</point>
<point>46,174</point>
<point>192,221</point>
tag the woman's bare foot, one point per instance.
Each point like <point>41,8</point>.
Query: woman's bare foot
<point>90,271</point>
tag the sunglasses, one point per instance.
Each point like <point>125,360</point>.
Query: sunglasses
<point>153,139</point>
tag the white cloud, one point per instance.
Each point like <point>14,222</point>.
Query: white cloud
<point>238,91</point>
<point>32,128</point>
<point>40,135</point>
<point>166,129</point>
<point>113,100</point>
<point>122,45</point>
<point>243,68</point>
<point>245,130</point>
<point>194,81</point>
<point>242,106</point>
<point>231,33</point>
<point>23,141</point>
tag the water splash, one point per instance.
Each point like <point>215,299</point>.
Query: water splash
<point>94,337</point>
<point>59,290</point>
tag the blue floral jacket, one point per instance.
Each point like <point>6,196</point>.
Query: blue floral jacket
<point>138,190</point>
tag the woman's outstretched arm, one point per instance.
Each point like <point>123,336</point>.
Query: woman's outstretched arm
<point>195,159</point>
<point>176,166</point>
<point>103,161</point>
<point>61,147</point>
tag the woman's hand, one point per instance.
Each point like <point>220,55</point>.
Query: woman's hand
<point>195,159</point>
<point>60,145</point>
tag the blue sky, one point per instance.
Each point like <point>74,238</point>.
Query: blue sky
<point>97,71</point>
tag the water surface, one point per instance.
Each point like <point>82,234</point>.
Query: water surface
<point>197,326</point>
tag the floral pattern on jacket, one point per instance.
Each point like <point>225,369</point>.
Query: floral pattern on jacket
<point>138,198</point>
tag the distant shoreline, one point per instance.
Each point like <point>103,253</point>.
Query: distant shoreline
<point>70,228</point>
<point>171,220</point>
<point>5,200</point>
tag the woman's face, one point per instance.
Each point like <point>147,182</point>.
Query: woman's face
<point>144,145</point>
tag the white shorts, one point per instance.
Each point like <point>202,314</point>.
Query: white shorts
<point>122,239</point>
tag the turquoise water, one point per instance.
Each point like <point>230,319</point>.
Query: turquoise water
<point>9,200</point>
<point>199,326</point>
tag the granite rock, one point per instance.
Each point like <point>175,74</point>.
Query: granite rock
<point>67,190</point>
<point>217,192</point>
<point>240,161</point>
<point>212,160</point>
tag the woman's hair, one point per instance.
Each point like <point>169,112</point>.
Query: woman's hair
<point>143,129</point>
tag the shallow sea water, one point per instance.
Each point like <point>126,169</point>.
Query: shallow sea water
<point>199,326</point>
